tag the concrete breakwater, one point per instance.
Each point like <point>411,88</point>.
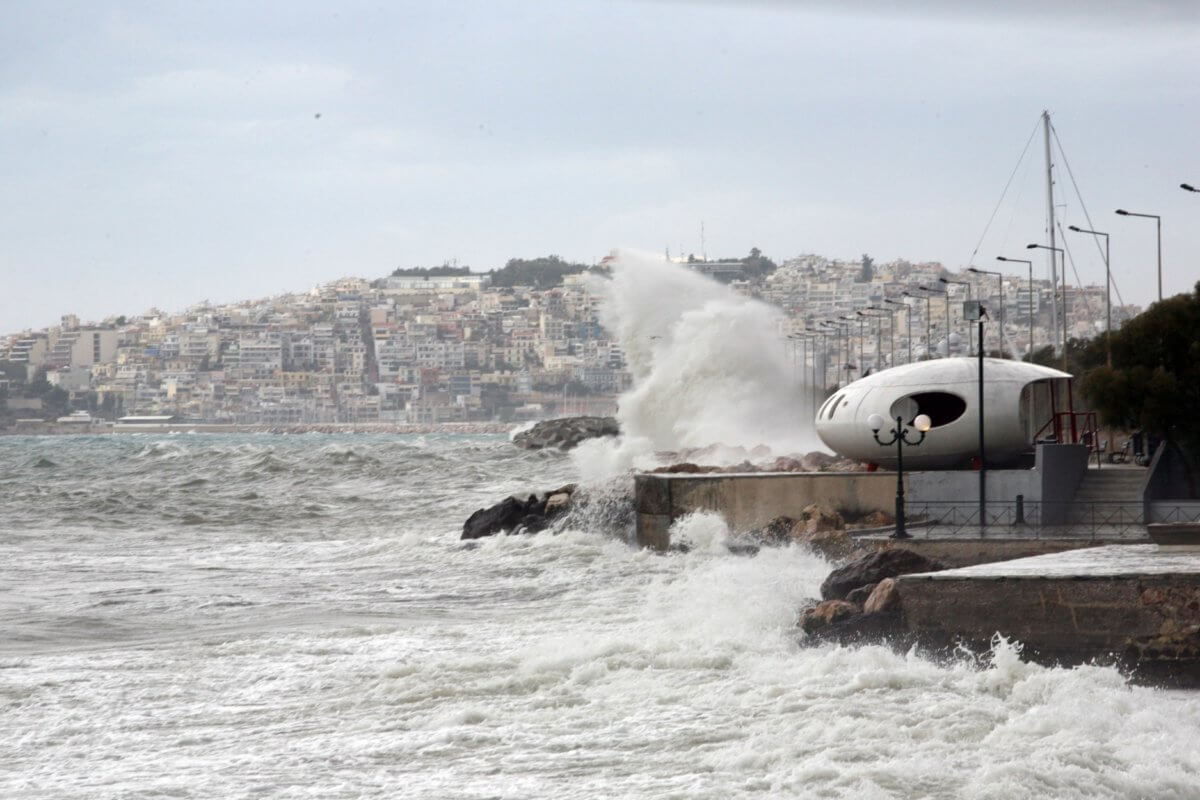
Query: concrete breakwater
<point>1134,606</point>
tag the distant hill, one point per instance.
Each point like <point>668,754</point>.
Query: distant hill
<point>430,272</point>
<point>541,273</point>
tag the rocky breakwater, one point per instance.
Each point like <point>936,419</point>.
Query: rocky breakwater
<point>860,600</point>
<point>565,432</point>
<point>513,515</point>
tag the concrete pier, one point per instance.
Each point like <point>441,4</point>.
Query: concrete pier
<point>752,499</point>
<point>967,546</point>
<point>1136,605</point>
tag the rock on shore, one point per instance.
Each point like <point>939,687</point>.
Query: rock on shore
<point>565,432</point>
<point>530,515</point>
<point>861,600</point>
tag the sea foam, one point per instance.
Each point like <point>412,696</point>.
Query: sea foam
<point>709,367</point>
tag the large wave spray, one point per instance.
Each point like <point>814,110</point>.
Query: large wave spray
<point>708,364</point>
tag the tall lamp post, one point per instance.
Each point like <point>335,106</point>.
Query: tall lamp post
<point>947,296</point>
<point>922,424</point>
<point>1029,264</point>
<point>970,335</point>
<point>811,338</point>
<point>848,342</point>
<point>1158,224</point>
<point>861,324</point>
<point>907,323</point>
<point>927,298</point>
<point>1063,255</point>
<point>879,337</point>
<point>824,379</point>
<point>1107,293</point>
<point>796,339</point>
<point>1000,281</point>
<point>836,331</point>
<point>891,312</point>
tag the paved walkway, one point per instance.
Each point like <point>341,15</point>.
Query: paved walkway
<point>1117,561</point>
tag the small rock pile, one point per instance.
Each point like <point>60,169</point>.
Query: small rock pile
<point>512,514</point>
<point>811,462</point>
<point>565,432</point>
<point>861,600</point>
<point>820,527</point>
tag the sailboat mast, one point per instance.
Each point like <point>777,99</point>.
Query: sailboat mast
<point>1053,244</point>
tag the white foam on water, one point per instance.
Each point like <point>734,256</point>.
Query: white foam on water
<point>379,661</point>
<point>708,365</point>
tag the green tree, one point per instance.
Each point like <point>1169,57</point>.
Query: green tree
<point>867,271</point>
<point>757,265</point>
<point>56,402</point>
<point>540,273</point>
<point>430,272</point>
<point>1154,382</point>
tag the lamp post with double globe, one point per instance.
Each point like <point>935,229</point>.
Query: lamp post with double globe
<point>922,423</point>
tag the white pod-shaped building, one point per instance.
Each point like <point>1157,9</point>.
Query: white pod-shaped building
<point>1018,402</point>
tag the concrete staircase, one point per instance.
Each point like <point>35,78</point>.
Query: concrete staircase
<point>1108,496</point>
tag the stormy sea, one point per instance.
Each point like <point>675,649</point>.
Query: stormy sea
<point>255,615</point>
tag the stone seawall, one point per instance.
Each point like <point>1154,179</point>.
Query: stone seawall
<point>1131,604</point>
<point>751,500</point>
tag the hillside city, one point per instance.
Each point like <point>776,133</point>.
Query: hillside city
<point>446,345</point>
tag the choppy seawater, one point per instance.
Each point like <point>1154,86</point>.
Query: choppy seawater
<point>274,616</point>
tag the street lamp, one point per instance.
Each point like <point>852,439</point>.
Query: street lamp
<point>907,323</point>
<point>878,338</point>
<point>795,339</point>
<point>861,323</point>
<point>1107,292</point>
<point>1158,224</point>
<point>891,312</point>
<point>970,335</point>
<point>846,335</point>
<point>922,423</point>
<point>999,280</point>
<point>1063,255</point>
<point>836,331</point>
<point>1029,264</point>
<point>947,296</point>
<point>927,298</point>
<point>1187,187</point>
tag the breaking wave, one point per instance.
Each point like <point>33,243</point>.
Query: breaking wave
<point>708,367</point>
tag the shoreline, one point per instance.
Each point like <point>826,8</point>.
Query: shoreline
<point>302,428</point>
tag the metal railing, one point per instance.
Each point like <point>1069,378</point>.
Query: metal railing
<point>1038,519</point>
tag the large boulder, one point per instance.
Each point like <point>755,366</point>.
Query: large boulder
<point>504,516</point>
<point>817,518</point>
<point>884,597</point>
<point>565,432</point>
<point>531,515</point>
<point>859,596</point>
<point>822,615</point>
<point>873,568</point>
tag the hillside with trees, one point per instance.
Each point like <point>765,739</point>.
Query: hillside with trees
<point>1154,381</point>
<point>541,273</point>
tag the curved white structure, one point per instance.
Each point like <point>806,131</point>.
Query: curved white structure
<point>1017,401</point>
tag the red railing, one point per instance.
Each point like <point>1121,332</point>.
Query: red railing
<point>1072,427</point>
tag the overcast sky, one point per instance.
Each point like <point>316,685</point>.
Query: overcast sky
<point>159,153</point>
